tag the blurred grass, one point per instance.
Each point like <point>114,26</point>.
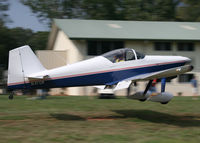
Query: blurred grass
<point>88,119</point>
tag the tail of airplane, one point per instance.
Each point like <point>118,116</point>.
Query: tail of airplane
<point>22,62</point>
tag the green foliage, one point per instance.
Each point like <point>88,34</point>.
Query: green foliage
<point>16,37</point>
<point>151,10</point>
<point>189,11</point>
<point>7,42</point>
<point>131,10</point>
<point>20,36</point>
<point>4,5</point>
<point>105,9</point>
<point>38,40</point>
<point>12,38</point>
<point>159,10</point>
<point>54,8</point>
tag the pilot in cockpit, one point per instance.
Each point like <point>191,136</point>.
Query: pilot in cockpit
<point>119,58</point>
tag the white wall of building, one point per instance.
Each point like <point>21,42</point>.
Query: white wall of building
<point>52,59</point>
<point>75,51</point>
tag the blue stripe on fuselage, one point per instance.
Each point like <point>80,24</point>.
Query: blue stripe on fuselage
<point>96,79</point>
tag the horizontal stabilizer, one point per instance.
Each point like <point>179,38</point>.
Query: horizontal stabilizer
<point>38,78</point>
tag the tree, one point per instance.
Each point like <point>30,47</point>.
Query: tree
<point>105,9</point>
<point>16,37</point>
<point>158,10</point>
<point>7,42</point>
<point>54,8</point>
<point>13,38</point>
<point>20,36</point>
<point>189,10</point>
<point>4,5</point>
<point>38,41</point>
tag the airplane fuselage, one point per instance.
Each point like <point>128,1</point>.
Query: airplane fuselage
<point>98,71</point>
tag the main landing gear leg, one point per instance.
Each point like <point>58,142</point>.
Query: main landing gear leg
<point>147,88</point>
<point>163,83</point>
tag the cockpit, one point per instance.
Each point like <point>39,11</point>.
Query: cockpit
<point>124,54</point>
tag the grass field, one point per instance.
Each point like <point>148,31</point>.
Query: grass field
<point>88,119</point>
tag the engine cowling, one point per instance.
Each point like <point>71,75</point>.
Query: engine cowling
<point>163,97</point>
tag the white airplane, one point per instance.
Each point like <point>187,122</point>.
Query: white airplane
<point>117,68</point>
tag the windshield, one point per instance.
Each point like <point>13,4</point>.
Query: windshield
<point>140,55</point>
<point>124,54</point>
<point>115,56</point>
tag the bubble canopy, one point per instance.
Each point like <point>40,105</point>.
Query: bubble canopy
<point>125,54</point>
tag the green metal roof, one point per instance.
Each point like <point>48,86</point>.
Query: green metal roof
<point>129,30</point>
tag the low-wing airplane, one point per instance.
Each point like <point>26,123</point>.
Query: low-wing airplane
<point>120,67</point>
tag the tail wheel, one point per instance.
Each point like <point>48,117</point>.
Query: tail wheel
<point>142,100</point>
<point>163,102</point>
<point>11,96</point>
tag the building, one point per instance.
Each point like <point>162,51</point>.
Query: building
<point>71,41</point>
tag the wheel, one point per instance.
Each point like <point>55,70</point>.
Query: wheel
<point>163,102</point>
<point>142,100</point>
<point>10,96</point>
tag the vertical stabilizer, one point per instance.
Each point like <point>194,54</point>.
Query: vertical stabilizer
<point>22,62</point>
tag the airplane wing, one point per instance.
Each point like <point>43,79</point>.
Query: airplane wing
<point>150,76</point>
<point>164,73</point>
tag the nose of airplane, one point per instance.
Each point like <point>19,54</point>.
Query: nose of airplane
<point>187,60</point>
